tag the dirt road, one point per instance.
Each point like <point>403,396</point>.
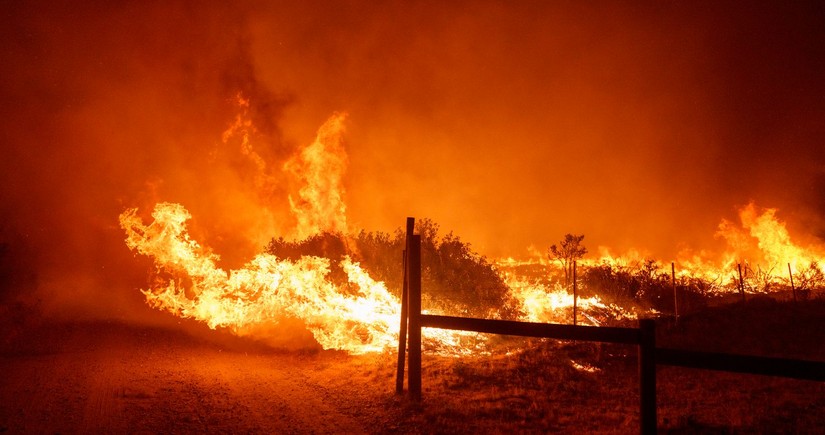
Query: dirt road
<point>109,378</point>
<point>115,378</point>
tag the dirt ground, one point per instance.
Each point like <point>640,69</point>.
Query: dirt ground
<point>111,378</point>
<point>105,377</point>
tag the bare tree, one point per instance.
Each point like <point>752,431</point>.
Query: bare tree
<point>569,250</point>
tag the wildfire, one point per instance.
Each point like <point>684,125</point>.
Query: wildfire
<point>546,304</point>
<point>321,166</point>
<point>760,244</point>
<point>266,291</point>
<point>362,315</point>
<point>773,241</point>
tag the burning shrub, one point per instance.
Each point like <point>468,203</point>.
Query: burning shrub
<point>644,285</point>
<point>614,283</point>
<point>808,280</point>
<point>324,245</point>
<point>756,278</point>
<point>455,279</point>
<point>461,280</point>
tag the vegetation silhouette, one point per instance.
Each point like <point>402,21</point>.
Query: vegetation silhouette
<point>568,251</point>
<point>456,280</point>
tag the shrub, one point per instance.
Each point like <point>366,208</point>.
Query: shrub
<point>455,279</point>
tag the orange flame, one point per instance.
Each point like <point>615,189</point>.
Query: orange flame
<point>773,241</point>
<point>244,130</point>
<point>364,316</point>
<point>760,243</point>
<point>265,291</point>
<point>268,290</point>
<point>321,166</point>
<point>554,304</point>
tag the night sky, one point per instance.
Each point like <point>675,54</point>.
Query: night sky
<point>638,124</point>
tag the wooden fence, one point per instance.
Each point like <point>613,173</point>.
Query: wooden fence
<point>644,337</point>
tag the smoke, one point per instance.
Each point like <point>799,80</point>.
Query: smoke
<point>638,125</point>
<point>116,106</point>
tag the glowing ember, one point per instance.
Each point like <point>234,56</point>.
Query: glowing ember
<point>584,367</point>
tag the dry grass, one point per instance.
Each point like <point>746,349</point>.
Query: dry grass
<point>545,387</point>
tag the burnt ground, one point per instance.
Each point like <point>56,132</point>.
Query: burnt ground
<point>108,377</point>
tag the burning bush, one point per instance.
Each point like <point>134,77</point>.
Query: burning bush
<point>810,279</point>
<point>455,279</point>
<point>643,285</point>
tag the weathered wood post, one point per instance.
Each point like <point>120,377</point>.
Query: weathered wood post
<point>414,362</point>
<point>793,289</point>
<point>741,282</point>
<point>647,376</point>
<point>675,298</point>
<point>402,330</point>
<point>575,294</point>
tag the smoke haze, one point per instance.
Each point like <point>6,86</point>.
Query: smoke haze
<point>638,125</point>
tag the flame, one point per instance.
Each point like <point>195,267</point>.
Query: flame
<point>553,304</point>
<point>268,290</point>
<point>243,130</point>
<point>359,317</point>
<point>265,291</point>
<point>321,167</point>
<point>772,239</point>
<point>362,315</point>
<point>760,243</point>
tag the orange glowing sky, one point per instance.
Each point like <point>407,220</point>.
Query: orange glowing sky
<point>510,123</point>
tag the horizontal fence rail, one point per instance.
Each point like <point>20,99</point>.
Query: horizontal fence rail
<point>755,365</point>
<point>527,329</point>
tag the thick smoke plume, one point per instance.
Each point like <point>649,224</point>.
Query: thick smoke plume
<point>639,125</point>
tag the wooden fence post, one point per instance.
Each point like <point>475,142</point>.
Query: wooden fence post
<point>402,330</point>
<point>575,295</point>
<point>675,298</point>
<point>793,289</point>
<point>647,376</point>
<point>741,282</point>
<point>414,262</point>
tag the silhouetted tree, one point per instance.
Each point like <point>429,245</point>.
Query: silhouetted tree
<point>569,250</point>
